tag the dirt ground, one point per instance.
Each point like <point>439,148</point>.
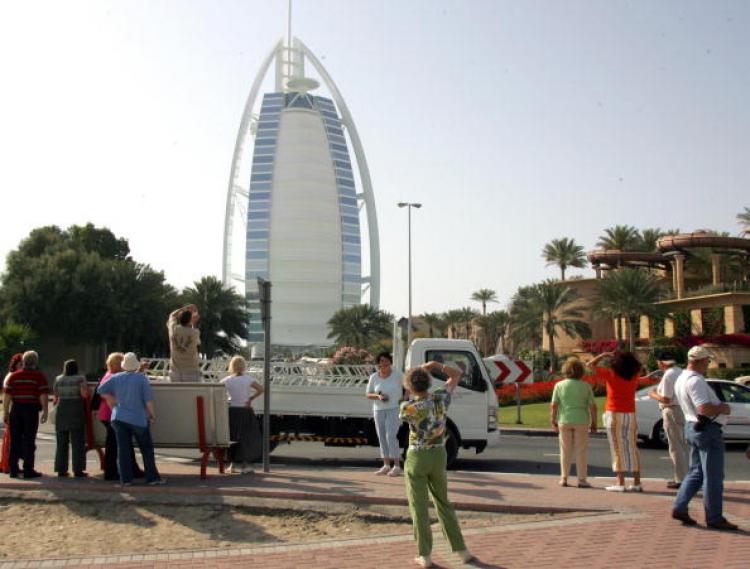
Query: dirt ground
<point>103,528</point>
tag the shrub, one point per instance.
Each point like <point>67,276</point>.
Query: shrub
<point>542,391</point>
<point>728,373</point>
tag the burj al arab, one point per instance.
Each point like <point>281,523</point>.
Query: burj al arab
<point>299,211</point>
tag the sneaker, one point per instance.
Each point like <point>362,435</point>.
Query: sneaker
<point>32,474</point>
<point>423,561</point>
<point>395,471</point>
<point>247,470</point>
<point>723,524</point>
<point>563,483</point>
<point>465,555</point>
<point>635,488</point>
<point>583,484</point>
<point>684,517</point>
<point>125,484</point>
<point>672,485</point>
<point>615,488</point>
<point>13,474</point>
<point>232,469</point>
<point>81,474</point>
<point>382,471</point>
<point>157,482</point>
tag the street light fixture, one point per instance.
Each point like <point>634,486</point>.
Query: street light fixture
<point>409,206</point>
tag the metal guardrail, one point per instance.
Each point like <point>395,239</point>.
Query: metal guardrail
<point>282,373</point>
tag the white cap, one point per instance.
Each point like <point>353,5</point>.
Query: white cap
<point>130,362</point>
<point>697,353</point>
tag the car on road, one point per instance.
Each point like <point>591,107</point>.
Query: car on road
<point>651,428</point>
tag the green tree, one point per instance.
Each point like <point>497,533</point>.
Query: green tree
<point>14,338</point>
<point>224,317</point>
<point>554,301</point>
<point>359,326</point>
<point>451,319</point>
<point>564,253</point>
<point>493,326</point>
<point>743,218</point>
<point>619,238</point>
<point>79,284</point>
<point>629,293</point>
<point>434,323</point>
<point>525,320</point>
<point>467,315</point>
<point>648,238</point>
<point>484,295</point>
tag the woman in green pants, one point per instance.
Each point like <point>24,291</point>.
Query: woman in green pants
<point>70,392</point>
<point>426,459</point>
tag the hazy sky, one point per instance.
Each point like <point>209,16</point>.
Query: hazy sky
<point>512,122</point>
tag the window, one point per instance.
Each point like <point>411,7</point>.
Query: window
<point>261,196</point>
<point>339,147</point>
<point>263,159</point>
<point>735,393</point>
<point>257,254</point>
<point>351,238</point>
<point>352,258</point>
<point>257,234</point>
<point>257,215</point>
<point>472,373</point>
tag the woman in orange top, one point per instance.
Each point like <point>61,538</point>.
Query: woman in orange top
<point>619,415</point>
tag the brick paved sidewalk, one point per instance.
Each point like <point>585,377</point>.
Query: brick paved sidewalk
<point>619,530</point>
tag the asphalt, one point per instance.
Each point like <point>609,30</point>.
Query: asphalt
<point>608,530</point>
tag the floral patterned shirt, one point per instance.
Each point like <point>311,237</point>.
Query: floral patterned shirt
<point>426,419</point>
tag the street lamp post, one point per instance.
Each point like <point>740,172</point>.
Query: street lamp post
<point>408,206</point>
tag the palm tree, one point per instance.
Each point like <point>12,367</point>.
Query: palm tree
<point>743,219</point>
<point>467,315</point>
<point>619,238</point>
<point>629,293</point>
<point>484,295</point>
<point>451,318</point>
<point>525,325</point>
<point>359,326</point>
<point>434,323</point>
<point>224,316</point>
<point>554,300</point>
<point>648,238</point>
<point>493,326</point>
<point>564,253</point>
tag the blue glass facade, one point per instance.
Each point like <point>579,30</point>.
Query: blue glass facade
<point>261,198</point>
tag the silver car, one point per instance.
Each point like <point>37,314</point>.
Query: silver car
<point>651,429</point>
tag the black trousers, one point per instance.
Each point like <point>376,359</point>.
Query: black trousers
<point>24,423</point>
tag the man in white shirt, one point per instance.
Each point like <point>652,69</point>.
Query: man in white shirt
<point>672,416</point>
<point>705,415</point>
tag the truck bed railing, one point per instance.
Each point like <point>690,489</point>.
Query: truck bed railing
<point>291,374</point>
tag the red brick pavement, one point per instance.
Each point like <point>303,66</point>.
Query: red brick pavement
<point>619,531</point>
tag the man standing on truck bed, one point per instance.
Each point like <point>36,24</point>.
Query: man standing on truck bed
<point>184,339</point>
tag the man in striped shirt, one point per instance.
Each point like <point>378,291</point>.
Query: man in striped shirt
<point>26,395</point>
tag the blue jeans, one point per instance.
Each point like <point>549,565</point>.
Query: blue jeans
<point>706,471</point>
<point>125,433</point>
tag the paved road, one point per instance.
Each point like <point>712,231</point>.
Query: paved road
<point>517,454</point>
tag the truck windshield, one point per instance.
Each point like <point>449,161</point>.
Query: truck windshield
<point>472,374</point>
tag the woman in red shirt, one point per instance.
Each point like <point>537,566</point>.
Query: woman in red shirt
<point>619,415</point>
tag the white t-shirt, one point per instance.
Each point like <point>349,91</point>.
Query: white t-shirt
<point>238,388</point>
<point>692,391</point>
<point>666,385</point>
<point>390,386</point>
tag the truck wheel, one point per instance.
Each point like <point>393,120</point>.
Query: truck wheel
<point>451,448</point>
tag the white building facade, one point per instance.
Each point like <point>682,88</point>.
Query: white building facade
<point>304,216</point>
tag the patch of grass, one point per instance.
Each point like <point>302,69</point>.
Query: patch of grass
<point>536,415</point>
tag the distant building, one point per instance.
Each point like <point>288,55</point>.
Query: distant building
<point>303,230</point>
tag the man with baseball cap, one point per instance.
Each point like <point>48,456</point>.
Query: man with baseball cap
<point>705,415</point>
<point>673,419</point>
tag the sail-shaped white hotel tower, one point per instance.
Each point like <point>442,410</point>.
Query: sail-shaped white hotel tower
<point>301,213</point>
